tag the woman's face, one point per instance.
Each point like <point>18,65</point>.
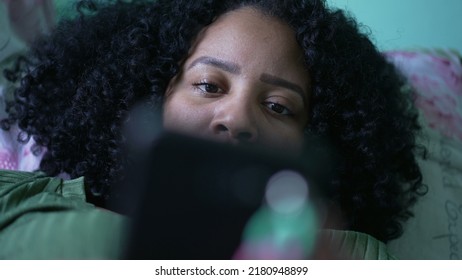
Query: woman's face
<point>244,81</point>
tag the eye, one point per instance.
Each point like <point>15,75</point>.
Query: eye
<point>278,108</point>
<point>206,87</point>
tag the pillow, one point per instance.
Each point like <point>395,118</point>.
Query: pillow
<point>19,23</point>
<point>436,230</point>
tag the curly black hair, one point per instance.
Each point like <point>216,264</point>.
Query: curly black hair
<point>79,84</point>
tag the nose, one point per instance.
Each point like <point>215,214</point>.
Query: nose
<point>235,121</point>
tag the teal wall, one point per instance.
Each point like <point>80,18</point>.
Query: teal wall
<point>409,24</point>
<point>398,24</point>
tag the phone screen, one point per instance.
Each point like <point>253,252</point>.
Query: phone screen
<point>197,199</point>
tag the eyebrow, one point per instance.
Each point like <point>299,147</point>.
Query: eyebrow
<point>234,68</point>
<point>227,66</point>
<point>275,81</point>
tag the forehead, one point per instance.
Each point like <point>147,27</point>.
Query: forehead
<point>248,37</point>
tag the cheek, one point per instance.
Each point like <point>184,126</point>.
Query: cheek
<point>284,138</point>
<point>296,140</point>
<point>183,116</point>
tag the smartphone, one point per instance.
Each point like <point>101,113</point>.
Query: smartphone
<point>192,198</point>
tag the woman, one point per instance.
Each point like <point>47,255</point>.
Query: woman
<point>244,71</point>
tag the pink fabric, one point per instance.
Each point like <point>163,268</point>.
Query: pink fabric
<point>16,156</point>
<point>437,80</point>
<point>26,19</point>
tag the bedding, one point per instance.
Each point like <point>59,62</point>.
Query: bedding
<point>15,27</point>
<point>436,230</point>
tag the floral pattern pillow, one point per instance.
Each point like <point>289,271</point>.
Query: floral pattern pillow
<point>436,76</point>
<point>435,230</point>
<point>14,155</point>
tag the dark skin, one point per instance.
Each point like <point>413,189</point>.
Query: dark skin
<point>237,96</point>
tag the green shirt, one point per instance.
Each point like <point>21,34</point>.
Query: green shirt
<point>49,218</point>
